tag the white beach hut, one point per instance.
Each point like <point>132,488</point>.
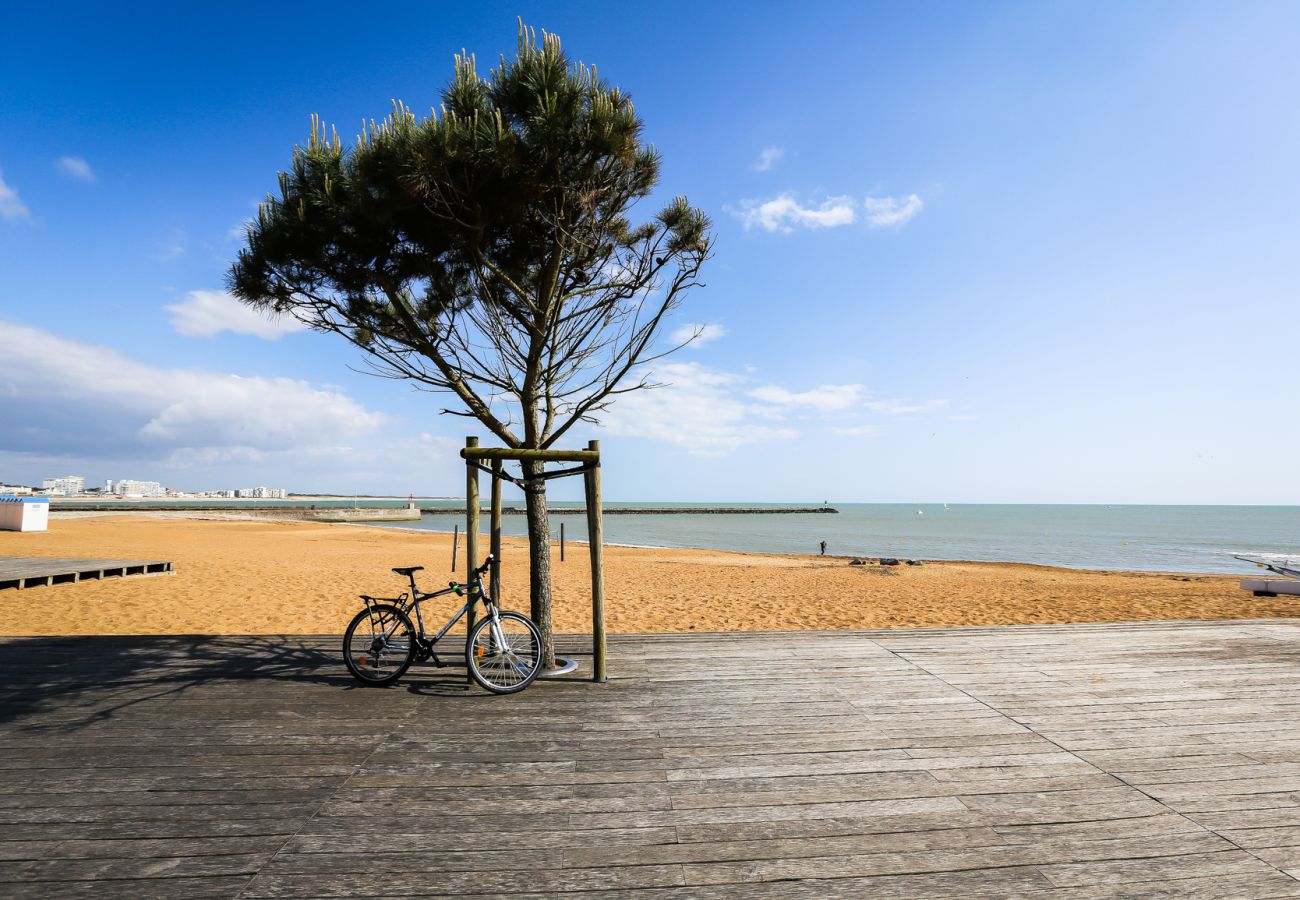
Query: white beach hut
<point>24,514</point>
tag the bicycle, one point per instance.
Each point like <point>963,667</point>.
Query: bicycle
<point>503,651</point>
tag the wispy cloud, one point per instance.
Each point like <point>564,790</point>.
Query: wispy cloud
<point>697,335</point>
<point>900,407</point>
<point>826,398</point>
<point>768,158</point>
<point>886,212</point>
<point>712,412</point>
<point>208,313</point>
<point>698,407</point>
<point>75,167</point>
<point>12,209</point>
<point>855,431</point>
<point>784,213</point>
<point>171,248</point>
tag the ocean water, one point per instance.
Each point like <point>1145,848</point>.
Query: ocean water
<point>1149,538</point>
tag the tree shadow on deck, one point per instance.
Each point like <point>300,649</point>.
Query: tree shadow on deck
<point>44,674</point>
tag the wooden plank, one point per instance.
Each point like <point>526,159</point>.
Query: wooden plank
<point>963,762</point>
<point>33,571</point>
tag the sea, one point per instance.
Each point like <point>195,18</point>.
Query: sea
<point>1087,536</point>
<point>1147,538</point>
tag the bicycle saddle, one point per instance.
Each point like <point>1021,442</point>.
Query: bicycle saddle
<point>409,569</point>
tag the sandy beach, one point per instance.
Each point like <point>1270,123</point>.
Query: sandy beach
<point>247,577</point>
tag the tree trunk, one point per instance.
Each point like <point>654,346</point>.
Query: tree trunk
<point>539,562</point>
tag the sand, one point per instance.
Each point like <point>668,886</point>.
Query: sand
<point>244,577</point>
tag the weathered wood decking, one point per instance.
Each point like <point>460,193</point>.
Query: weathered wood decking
<point>1070,761</point>
<point>34,571</point>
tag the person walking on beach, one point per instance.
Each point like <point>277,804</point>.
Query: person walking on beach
<point>823,548</point>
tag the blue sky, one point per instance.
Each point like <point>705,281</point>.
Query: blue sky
<point>1005,252</point>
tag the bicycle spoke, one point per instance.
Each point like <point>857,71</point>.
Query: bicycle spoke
<point>505,655</point>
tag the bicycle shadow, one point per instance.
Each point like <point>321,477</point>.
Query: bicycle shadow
<point>107,676</point>
<point>68,683</point>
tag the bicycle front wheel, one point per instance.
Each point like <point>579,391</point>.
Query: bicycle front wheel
<point>504,656</point>
<point>379,645</point>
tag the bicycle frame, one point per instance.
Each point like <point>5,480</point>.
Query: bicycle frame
<point>473,592</point>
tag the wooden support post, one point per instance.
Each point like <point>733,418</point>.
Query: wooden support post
<point>595,543</point>
<point>471,527</point>
<point>561,542</point>
<point>496,531</point>
<point>455,544</point>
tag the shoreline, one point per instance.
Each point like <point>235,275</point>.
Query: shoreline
<point>267,577</point>
<point>844,559</point>
<point>220,515</point>
<point>832,556</point>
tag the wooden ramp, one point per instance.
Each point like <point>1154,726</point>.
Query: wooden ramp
<point>34,571</point>
<point>1055,761</point>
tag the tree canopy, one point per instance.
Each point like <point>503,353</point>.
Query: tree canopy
<point>486,250</point>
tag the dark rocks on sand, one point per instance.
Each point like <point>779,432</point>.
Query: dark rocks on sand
<point>888,561</point>
<point>913,562</point>
<point>856,562</point>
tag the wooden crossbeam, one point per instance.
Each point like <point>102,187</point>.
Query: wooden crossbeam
<point>507,453</point>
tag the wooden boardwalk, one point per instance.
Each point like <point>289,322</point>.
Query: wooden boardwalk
<point>1063,761</point>
<point>34,571</point>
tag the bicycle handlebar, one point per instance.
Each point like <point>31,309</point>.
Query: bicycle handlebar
<point>478,573</point>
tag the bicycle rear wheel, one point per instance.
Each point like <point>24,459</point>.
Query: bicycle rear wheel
<point>506,661</point>
<point>379,645</point>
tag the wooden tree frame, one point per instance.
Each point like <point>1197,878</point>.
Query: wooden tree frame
<point>475,458</point>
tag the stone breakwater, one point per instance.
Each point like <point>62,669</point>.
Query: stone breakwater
<point>409,514</point>
<point>648,510</point>
<point>280,514</point>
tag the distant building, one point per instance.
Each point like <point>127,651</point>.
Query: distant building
<point>127,487</point>
<point>15,490</point>
<point>68,485</point>
<point>260,493</point>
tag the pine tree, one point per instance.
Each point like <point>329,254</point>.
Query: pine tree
<point>486,252</point>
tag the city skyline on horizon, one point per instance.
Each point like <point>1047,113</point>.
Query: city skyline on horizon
<point>964,254</point>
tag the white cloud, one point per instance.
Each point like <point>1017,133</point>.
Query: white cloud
<point>826,398</point>
<point>11,208</point>
<point>698,408</point>
<point>900,407</point>
<point>769,157</point>
<point>698,335</point>
<point>75,167</point>
<point>783,213</point>
<point>208,313</point>
<point>712,412</point>
<point>885,212</point>
<point>83,399</point>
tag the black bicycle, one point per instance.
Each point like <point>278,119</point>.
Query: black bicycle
<point>503,650</point>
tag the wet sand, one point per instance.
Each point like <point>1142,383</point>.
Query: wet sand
<point>247,577</point>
